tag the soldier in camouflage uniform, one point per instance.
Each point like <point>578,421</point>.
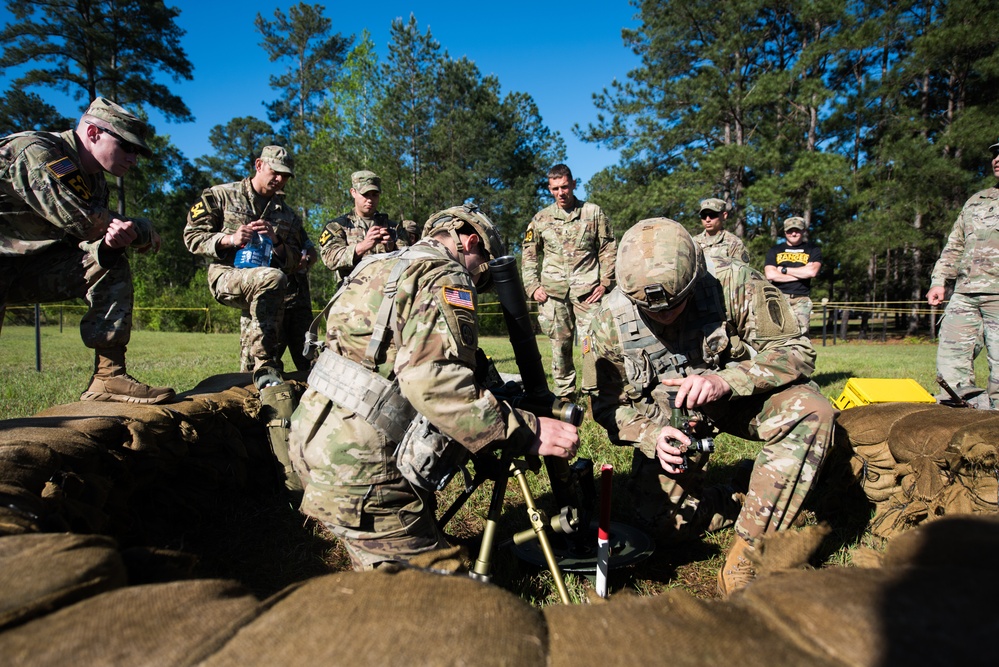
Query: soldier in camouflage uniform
<point>715,241</point>
<point>791,267</point>
<point>364,230</point>
<point>576,271</point>
<point>224,219</point>
<point>729,343</point>
<point>298,314</point>
<point>971,258</point>
<point>402,336</point>
<point>58,240</point>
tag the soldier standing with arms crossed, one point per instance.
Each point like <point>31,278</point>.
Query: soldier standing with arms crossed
<point>58,240</point>
<point>577,269</point>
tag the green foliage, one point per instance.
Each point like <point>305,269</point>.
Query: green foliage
<point>21,111</point>
<point>112,48</point>
<point>869,119</point>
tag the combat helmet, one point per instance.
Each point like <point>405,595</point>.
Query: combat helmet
<point>454,218</point>
<point>658,264</point>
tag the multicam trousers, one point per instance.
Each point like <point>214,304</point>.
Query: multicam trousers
<point>259,293</point>
<point>335,454</point>
<point>559,319</point>
<point>802,307</point>
<point>65,272</point>
<point>796,427</point>
<point>970,319</point>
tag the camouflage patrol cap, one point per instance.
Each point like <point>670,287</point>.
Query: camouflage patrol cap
<point>795,223</point>
<point>279,159</point>
<point>658,264</point>
<point>107,115</point>
<point>454,218</point>
<point>994,148</point>
<point>714,204</point>
<point>365,181</point>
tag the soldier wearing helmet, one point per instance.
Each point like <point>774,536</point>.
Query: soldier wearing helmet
<point>401,341</point>
<point>717,339</point>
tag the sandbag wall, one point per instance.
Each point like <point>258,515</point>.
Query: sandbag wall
<point>917,462</point>
<point>111,468</point>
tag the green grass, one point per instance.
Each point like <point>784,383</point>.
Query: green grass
<point>182,360</point>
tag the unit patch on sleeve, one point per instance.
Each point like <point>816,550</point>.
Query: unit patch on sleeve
<point>67,172</point>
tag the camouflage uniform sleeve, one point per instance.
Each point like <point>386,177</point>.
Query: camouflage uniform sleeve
<point>762,317</point>
<point>950,257</point>
<point>402,239</point>
<point>434,367</point>
<point>607,253</point>
<point>529,259</point>
<point>54,187</point>
<point>336,253</point>
<point>621,409</point>
<point>204,226</point>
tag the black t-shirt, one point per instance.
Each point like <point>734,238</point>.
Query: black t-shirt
<point>791,256</point>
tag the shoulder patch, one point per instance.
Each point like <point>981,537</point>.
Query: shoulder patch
<point>587,345</point>
<point>459,297</point>
<point>67,172</point>
<point>325,237</point>
<point>203,206</point>
<point>529,236</point>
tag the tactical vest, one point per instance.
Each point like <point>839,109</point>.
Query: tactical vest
<point>648,360</point>
<point>424,455</point>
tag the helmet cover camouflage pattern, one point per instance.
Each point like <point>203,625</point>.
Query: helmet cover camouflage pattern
<point>658,264</point>
<point>454,218</point>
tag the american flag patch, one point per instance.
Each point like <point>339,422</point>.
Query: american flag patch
<point>459,298</point>
<point>587,345</point>
<point>61,167</point>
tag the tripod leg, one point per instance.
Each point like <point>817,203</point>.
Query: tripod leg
<point>483,564</point>
<point>538,522</point>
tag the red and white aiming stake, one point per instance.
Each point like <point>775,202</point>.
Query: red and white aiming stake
<point>603,530</point>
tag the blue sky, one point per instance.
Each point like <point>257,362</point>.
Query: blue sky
<point>560,54</point>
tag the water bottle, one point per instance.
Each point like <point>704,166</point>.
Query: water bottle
<point>256,253</point>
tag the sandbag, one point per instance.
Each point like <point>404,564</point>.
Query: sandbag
<point>151,427</point>
<point>43,572</point>
<point>178,623</point>
<point>671,629</point>
<point>870,424</point>
<point>904,616</point>
<point>377,618</point>
<point>926,434</point>
<point>978,443</point>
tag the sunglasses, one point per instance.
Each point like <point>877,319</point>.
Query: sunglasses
<point>127,146</point>
<point>706,215</point>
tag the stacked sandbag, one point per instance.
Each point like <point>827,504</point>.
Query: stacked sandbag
<point>110,468</point>
<point>63,600</point>
<point>917,461</point>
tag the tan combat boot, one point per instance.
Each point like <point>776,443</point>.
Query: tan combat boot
<point>111,383</point>
<point>737,571</point>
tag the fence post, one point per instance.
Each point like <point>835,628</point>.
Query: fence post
<point>825,306</point>
<point>38,337</point>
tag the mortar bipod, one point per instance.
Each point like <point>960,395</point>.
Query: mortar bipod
<point>567,522</point>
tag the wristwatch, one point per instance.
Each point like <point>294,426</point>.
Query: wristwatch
<point>783,270</point>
